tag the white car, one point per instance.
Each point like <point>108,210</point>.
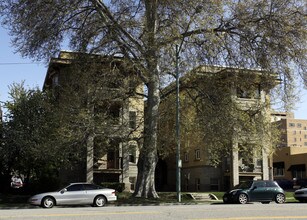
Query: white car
<point>75,194</point>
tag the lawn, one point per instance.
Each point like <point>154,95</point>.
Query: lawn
<point>7,200</point>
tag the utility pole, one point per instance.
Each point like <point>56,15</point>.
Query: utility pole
<point>178,161</point>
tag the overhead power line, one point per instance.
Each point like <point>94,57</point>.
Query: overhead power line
<point>3,64</point>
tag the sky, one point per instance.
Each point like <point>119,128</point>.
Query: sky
<point>15,69</point>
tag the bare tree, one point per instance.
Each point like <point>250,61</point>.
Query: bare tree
<point>268,35</point>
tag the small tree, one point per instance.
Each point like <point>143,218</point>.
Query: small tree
<point>29,134</point>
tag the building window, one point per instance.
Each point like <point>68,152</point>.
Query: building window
<point>186,184</point>
<point>197,184</point>
<point>291,125</point>
<point>186,157</point>
<point>114,112</point>
<point>132,181</point>
<point>257,92</point>
<point>305,144</point>
<point>112,160</point>
<point>298,171</point>
<point>298,174</point>
<point>305,136</point>
<point>259,163</point>
<point>214,184</point>
<point>254,91</point>
<point>299,125</point>
<point>132,119</point>
<point>132,154</point>
<point>197,154</point>
<point>55,80</point>
<point>294,139</point>
<point>279,169</point>
<point>243,93</point>
<point>294,132</point>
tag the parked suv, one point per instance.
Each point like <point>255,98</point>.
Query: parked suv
<point>263,191</point>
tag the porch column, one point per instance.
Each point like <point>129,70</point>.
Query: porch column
<point>234,174</point>
<point>265,164</point>
<point>125,165</point>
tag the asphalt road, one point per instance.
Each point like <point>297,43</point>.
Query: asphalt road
<point>253,211</point>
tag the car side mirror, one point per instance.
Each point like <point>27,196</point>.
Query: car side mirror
<point>63,190</point>
<point>254,187</point>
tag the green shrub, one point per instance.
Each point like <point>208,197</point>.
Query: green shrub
<point>119,187</point>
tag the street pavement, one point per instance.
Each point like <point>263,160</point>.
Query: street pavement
<point>213,211</point>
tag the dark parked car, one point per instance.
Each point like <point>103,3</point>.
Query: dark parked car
<point>301,195</point>
<point>263,191</point>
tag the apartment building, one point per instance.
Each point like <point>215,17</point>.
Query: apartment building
<point>290,158</point>
<point>197,172</point>
<point>112,155</point>
<point>293,132</point>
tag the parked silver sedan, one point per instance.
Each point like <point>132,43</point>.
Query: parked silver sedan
<point>75,194</point>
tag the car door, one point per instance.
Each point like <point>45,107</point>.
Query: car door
<point>72,195</point>
<point>91,192</point>
<point>271,189</point>
<point>258,191</point>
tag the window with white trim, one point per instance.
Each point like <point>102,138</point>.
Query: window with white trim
<point>132,119</point>
<point>186,157</point>
<point>197,154</point>
<point>132,154</point>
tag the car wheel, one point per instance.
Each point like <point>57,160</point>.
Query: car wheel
<point>280,198</point>
<point>48,202</point>
<point>242,198</point>
<point>100,201</point>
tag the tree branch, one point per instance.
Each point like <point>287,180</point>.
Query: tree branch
<point>106,15</point>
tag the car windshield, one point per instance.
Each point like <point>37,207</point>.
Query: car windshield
<point>244,185</point>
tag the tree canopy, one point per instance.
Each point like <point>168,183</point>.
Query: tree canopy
<point>269,35</point>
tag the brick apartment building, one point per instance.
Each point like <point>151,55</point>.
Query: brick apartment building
<point>290,158</point>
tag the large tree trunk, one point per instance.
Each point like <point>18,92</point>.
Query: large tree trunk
<point>148,158</point>
<point>90,159</point>
<point>145,185</point>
